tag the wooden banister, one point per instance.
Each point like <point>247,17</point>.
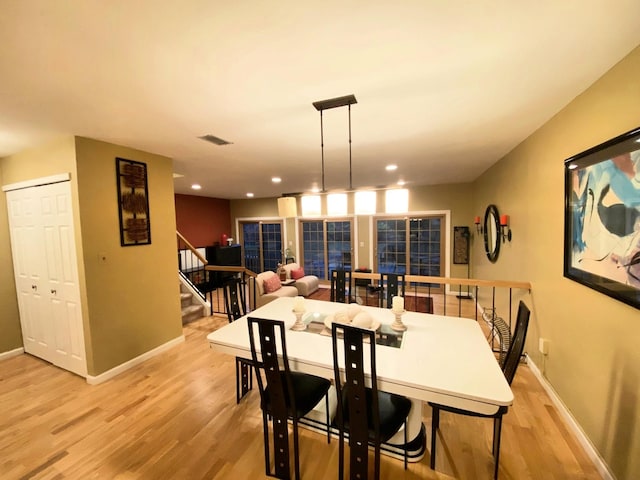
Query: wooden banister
<point>192,248</point>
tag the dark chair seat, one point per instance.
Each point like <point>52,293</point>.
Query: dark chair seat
<point>308,390</point>
<point>393,411</point>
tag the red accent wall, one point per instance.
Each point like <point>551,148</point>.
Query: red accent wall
<point>202,220</point>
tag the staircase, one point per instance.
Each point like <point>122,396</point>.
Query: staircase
<point>191,308</point>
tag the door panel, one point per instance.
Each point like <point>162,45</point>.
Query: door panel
<point>45,264</point>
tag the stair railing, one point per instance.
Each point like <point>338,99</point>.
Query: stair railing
<point>191,266</point>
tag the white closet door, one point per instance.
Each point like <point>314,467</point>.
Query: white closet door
<point>45,265</point>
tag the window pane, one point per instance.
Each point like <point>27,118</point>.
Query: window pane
<point>313,247</point>
<point>271,245</point>
<point>251,240</point>
<point>391,245</point>
<point>339,245</point>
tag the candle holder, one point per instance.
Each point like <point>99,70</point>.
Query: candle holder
<point>397,324</point>
<point>299,325</point>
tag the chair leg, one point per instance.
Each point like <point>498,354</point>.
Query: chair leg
<point>406,440</point>
<point>340,453</point>
<point>265,430</point>
<point>376,461</point>
<point>326,403</point>
<point>237,381</point>
<point>296,451</point>
<point>435,424</point>
<point>497,431</point>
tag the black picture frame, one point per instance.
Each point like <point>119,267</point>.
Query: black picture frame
<point>602,218</point>
<point>461,237</point>
<point>133,202</point>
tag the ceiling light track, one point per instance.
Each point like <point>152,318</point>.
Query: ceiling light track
<point>322,105</point>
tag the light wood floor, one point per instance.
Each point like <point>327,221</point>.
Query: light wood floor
<point>175,417</point>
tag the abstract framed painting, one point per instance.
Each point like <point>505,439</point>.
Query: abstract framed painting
<point>602,218</point>
<point>133,202</point>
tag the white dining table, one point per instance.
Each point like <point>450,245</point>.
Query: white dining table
<point>441,359</point>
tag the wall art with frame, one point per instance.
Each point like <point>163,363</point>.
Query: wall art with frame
<point>133,202</point>
<point>602,218</point>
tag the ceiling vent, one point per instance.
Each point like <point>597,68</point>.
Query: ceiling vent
<point>215,140</point>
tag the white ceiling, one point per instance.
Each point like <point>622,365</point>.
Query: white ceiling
<point>444,88</point>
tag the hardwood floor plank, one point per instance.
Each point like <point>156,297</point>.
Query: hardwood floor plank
<point>175,417</point>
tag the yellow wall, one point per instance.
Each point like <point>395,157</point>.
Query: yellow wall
<point>133,296</point>
<point>594,358</point>
<point>130,301</point>
<point>10,333</point>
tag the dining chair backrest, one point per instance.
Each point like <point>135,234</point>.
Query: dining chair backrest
<point>516,346</point>
<point>354,392</point>
<point>234,299</point>
<point>393,283</point>
<point>340,285</point>
<point>276,391</point>
<point>270,336</point>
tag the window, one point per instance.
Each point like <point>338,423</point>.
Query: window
<point>262,245</point>
<point>326,246</point>
<point>410,245</point>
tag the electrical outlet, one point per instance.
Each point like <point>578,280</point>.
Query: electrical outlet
<point>543,346</point>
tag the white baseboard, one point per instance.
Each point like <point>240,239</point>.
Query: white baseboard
<point>571,422</point>
<point>109,374</point>
<point>11,353</point>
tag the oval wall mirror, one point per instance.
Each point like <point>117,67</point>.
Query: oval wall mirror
<point>491,232</point>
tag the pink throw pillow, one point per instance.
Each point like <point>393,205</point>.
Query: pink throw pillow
<point>272,284</point>
<point>297,274</point>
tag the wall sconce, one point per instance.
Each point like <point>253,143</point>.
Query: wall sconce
<point>478,225</point>
<point>505,231</point>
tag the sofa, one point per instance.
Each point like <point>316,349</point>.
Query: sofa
<point>268,288</point>
<point>305,284</point>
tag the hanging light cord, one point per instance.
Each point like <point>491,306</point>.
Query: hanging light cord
<point>322,148</point>
<point>350,176</point>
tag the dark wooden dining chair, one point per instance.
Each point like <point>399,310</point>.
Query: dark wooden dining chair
<point>340,285</point>
<point>235,306</point>
<point>509,367</point>
<point>367,415</point>
<point>283,394</point>
<point>393,284</point>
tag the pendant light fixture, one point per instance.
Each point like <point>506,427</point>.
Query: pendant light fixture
<point>323,105</point>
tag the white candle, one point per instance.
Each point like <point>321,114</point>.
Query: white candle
<point>298,304</point>
<point>398,304</point>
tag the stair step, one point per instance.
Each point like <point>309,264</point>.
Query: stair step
<point>192,312</point>
<point>185,299</point>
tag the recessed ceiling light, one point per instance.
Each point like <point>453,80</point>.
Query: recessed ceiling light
<point>391,168</point>
<point>249,194</point>
<point>401,182</point>
<point>276,179</point>
<point>196,186</point>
